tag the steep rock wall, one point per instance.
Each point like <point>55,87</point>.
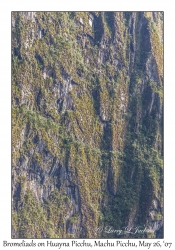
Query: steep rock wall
<point>87,123</point>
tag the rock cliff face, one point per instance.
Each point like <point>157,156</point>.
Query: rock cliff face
<point>87,124</point>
